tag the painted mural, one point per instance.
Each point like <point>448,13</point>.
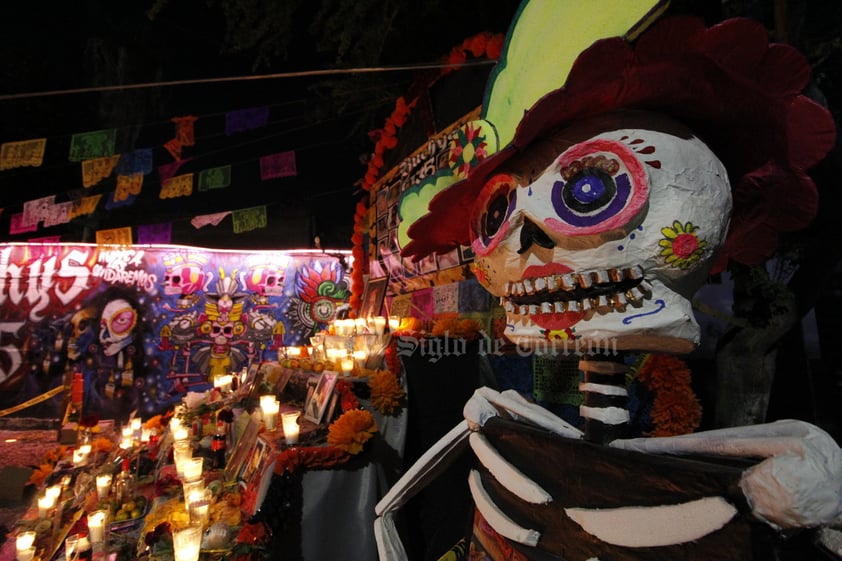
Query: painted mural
<point>144,325</point>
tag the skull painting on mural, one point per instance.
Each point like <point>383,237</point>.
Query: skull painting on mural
<point>617,161</point>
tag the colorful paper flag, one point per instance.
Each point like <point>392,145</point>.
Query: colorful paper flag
<point>154,233</point>
<point>281,164</point>
<point>35,210</point>
<point>94,171</point>
<point>58,214</point>
<point>246,119</point>
<point>248,219</point>
<point>178,186</point>
<point>205,219</point>
<point>169,170</point>
<point>45,239</point>
<point>16,225</point>
<point>184,130</point>
<point>128,185</point>
<point>111,202</point>
<point>114,236</point>
<point>83,206</point>
<point>136,161</point>
<point>22,153</point>
<point>94,144</point>
<point>215,178</point>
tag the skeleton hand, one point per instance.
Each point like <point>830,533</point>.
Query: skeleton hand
<point>797,485</point>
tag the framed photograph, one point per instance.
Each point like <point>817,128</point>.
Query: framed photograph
<point>242,450</point>
<point>373,296</point>
<point>250,467</point>
<point>319,399</point>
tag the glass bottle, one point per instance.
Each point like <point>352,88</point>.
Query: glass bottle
<point>218,446</point>
<point>124,483</point>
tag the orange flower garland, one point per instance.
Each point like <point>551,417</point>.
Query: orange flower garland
<point>352,430</point>
<point>676,409</point>
<point>386,392</point>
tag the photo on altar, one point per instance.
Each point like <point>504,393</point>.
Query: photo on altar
<point>317,402</point>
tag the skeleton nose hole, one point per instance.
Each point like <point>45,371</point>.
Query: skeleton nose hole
<point>530,234</point>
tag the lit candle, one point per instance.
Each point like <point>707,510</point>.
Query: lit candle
<point>136,424</point>
<point>127,432</point>
<point>289,420</point>
<point>96,525</point>
<point>79,458</point>
<point>192,469</point>
<point>379,325</point>
<point>180,433</point>
<point>86,450</point>
<point>198,506</point>
<point>293,352</point>
<point>347,364</point>
<point>270,413</point>
<point>223,383</point>
<point>361,326</point>
<point>103,485</point>
<point>25,541</point>
<point>45,504</point>
<point>268,398</point>
<point>145,435</point>
<point>186,543</point>
<point>53,491</point>
<point>394,323</point>
<point>126,442</point>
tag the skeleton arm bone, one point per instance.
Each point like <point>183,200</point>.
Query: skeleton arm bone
<point>797,485</point>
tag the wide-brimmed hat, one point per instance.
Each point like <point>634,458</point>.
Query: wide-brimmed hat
<point>739,93</point>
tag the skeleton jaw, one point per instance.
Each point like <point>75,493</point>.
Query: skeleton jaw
<point>590,292</point>
<point>602,309</point>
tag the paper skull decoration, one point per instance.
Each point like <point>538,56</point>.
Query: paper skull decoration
<point>600,233</point>
<point>597,214</point>
<point>117,324</point>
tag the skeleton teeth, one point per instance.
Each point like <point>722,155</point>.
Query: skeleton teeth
<point>533,309</point>
<point>585,280</point>
<point>568,282</point>
<point>528,287</point>
<point>552,282</point>
<point>635,294</point>
<point>585,304</point>
<point>615,274</point>
<point>546,308</point>
<point>510,308</point>
<point>559,307</point>
<point>540,284</point>
<point>517,289</point>
<point>510,287</point>
<point>523,310</point>
<point>574,306</point>
<point>600,277</point>
<point>646,288</point>
<point>619,301</point>
<point>600,303</point>
<point>635,272</point>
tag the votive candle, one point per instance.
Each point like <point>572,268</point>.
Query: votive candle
<point>45,504</point>
<point>270,413</point>
<point>96,526</point>
<point>289,420</point>
<point>103,485</point>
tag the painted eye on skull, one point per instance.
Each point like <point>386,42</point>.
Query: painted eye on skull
<point>496,204</point>
<point>602,186</point>
<point>120,322</point>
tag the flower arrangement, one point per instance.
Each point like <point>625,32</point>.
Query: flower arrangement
<point>676,409</point>
<point>352,430</point>
<point>386,392</point>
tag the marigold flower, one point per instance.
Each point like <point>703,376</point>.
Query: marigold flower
<point>386,392</point>
<point>352,430</point>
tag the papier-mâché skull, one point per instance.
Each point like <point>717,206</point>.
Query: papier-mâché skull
<point>599,233</point>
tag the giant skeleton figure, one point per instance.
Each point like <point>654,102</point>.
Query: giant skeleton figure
<point>596,213</point>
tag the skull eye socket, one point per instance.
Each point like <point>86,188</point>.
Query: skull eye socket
<point>602,187</point>
<point>495,205</point>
